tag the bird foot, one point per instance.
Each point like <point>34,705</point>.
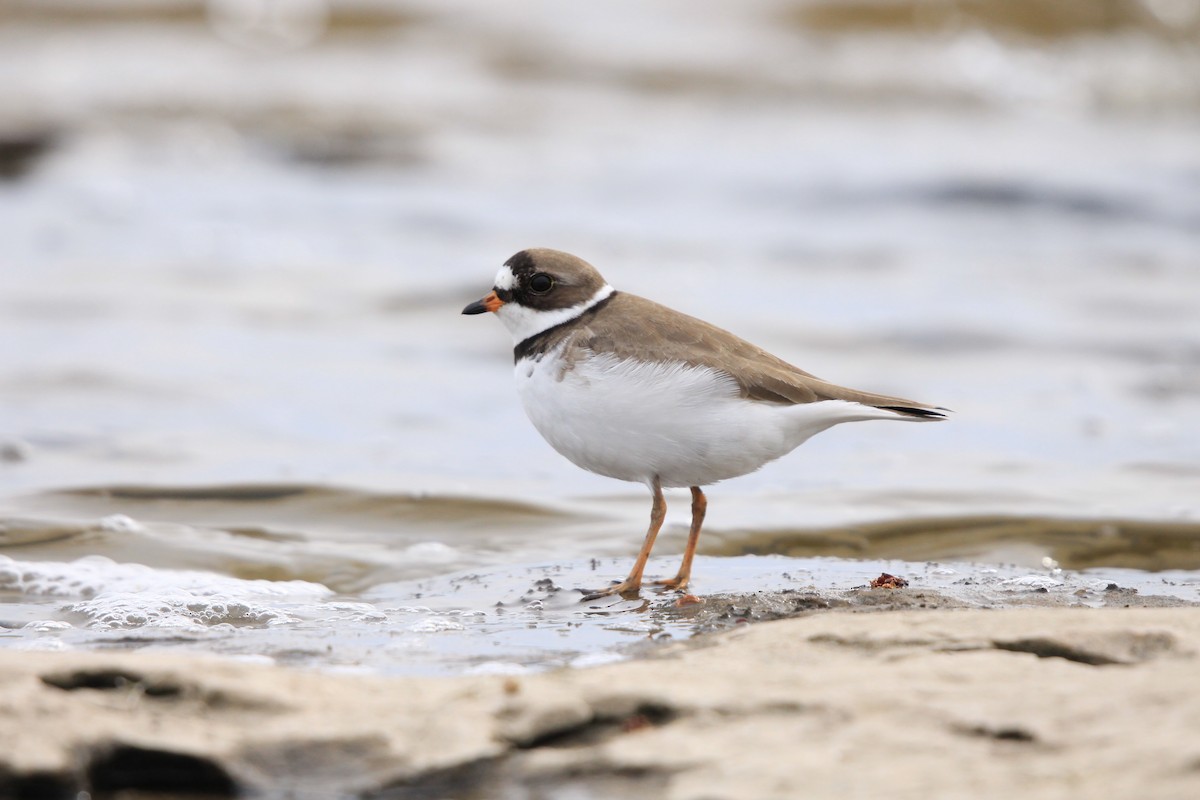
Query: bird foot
<point>627,590</point>
<point>678,583</point>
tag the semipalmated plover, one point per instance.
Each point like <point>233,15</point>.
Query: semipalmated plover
<point>627,388</point>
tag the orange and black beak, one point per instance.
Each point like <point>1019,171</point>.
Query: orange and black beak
<point>489,303</point>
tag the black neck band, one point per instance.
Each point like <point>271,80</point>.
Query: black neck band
<point>536,345</point>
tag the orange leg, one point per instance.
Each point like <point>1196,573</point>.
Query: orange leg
<point>629,587</point>
<point>699,506</point>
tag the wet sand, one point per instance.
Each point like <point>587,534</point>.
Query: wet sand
<point>1037,702</point>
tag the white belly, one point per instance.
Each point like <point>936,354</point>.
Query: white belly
<point>687,425</point>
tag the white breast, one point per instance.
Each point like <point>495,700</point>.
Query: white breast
<point>687,425</point>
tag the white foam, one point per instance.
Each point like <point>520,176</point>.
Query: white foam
<point>344,610</point>
<point>123,596</point>
<point>1031,582</point>
<point>436,625</point>
<point>46,626</point>
<point>120,523</point>
<point>430,553</point>
<point>181,609</point>
<point>92,575</point>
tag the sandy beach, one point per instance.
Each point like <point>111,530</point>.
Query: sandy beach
<point>935,703</point>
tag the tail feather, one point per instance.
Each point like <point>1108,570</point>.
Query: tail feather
<point>917,412</point>
<point>903,407</point>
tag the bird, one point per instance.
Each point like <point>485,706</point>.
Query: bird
<point>633,390</point>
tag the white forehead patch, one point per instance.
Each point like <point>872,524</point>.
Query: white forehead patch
<point>505,280</point>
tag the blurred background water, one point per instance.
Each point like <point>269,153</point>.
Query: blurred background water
<point>235,237</point>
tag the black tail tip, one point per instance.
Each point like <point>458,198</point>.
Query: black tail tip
<point>919,413</point>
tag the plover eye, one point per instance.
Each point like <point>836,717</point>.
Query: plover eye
<point>541,283</point>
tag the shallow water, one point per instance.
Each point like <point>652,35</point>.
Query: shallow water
<point>233,261</point>
<point>503,620</point>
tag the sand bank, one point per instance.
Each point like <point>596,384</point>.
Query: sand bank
<point>1035,702</point>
